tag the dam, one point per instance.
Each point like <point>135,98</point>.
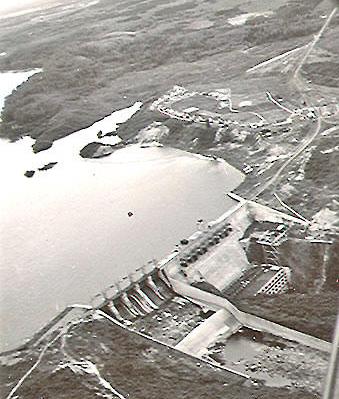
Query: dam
<point>102,243</point>
<point>185,301</point>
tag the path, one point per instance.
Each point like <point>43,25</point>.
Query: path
<point>300,149</point>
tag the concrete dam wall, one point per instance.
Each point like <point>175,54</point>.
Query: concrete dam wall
<point>217,303</point>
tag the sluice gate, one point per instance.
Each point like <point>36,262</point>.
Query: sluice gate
<point>139,298</point>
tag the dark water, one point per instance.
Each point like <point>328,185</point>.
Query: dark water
<point>242,351</point>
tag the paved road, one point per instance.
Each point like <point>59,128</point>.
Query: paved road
<point>299,150</point>
<point>314,42</point>
<point>296,79</point>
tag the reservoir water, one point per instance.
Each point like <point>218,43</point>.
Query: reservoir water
<point>10,80</point>
<point>66,234</point>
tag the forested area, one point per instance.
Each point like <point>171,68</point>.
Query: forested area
<point>90,67</point>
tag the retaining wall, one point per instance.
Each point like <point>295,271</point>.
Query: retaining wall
<point>198,340</point>
<point>216,303</point>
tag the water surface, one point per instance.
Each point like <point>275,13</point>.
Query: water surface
<point>10,80</point>
<point>66,234</point>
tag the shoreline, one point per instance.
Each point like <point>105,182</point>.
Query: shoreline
<point>50,326</point>
<point>237,105</point>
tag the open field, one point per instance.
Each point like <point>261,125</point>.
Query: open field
<point>126,364</point>
<point>320,318</point>
<point>101,56</point>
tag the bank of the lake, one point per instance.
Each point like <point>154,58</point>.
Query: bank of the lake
<point>10,80</point>
<point>67,232</point>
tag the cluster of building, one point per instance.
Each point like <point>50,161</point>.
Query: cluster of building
<point>193,114</point>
